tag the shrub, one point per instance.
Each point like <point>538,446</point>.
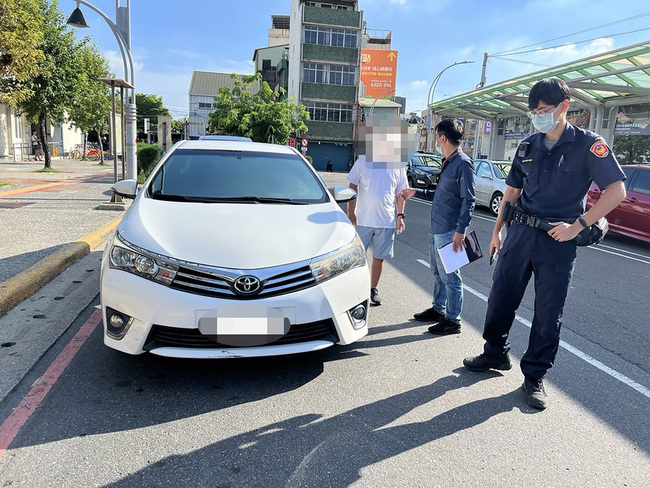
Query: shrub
<point>148,156</point>
<point>310,159</point>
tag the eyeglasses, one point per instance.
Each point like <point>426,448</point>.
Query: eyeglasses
<point>542,111</point>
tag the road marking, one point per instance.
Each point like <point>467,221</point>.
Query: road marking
<point>11,427</point>
<point>598,248</point>
<point>573,350</point>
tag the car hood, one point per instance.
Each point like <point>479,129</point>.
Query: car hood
<point>235,235</point>
<point>426,169</point>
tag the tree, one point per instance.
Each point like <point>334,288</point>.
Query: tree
<point>52,90</point>
<point>92,102</point>
<point>634,149</point>
<point>149,106</point>
<point>263,117</point>
<point>20,53</point>
<point>180,125</point>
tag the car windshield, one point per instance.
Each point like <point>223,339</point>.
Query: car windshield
<point>429,161</point>
<point>198,175</point>
<point>501,169</point>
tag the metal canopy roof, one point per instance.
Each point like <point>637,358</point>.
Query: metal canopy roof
<point>619,77</point>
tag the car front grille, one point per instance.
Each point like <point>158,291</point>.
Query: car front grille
<point>163,336</point>
<point>219,283</point>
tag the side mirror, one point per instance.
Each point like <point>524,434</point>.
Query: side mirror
<point>343,194</point>
<point>126,188</point>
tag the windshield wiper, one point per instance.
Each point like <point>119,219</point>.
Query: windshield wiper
<point>288,201</point>
<point>172,198</point>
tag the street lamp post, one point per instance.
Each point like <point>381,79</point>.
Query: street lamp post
<point>122,32</point>
<point>372,106</point>
<point>432,90</point>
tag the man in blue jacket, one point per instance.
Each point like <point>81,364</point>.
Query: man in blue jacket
<point>451,212</point>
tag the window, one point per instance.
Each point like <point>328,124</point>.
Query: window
<point>342,7</point>
<point>329,112</point>
<point>328,74</point>
<point>314,73</point>
<point>484,170</point>
<point>325,36</point>
<point>205,105</point>
<point>642,183</point>
<point>348,75</point>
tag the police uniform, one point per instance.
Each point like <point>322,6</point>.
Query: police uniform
<point>554,183</point>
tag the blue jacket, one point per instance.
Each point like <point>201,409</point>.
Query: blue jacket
<point>455,196</point>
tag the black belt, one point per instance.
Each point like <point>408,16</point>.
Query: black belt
<point>514,215</point>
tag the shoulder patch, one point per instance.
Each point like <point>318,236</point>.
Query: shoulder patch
<point>600,149</point>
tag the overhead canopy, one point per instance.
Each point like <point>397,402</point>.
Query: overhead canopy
<point>619,77</point>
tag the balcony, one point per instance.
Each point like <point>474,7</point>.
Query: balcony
<point>321,91</point>
<point>332,17</point>
<point>314,53</point>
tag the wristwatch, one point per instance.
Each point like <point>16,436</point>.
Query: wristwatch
<point>401,215</point>
<point>582,221</point>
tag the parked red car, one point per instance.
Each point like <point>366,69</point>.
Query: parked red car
<point>632,216</point>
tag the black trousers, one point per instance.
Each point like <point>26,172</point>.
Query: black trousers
<point>527,251</point>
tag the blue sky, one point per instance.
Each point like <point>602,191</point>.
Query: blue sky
<point>170,39</point>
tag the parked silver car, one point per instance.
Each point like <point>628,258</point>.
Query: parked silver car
<point>491,182</point>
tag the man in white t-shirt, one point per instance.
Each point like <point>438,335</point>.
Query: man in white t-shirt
<point>378,176</point>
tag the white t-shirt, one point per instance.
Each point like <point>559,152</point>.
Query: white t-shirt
<point>378,183</point>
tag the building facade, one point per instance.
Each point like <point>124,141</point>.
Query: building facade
<point>324,72</point>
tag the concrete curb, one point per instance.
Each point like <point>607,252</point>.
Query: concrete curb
<point>23,285</point>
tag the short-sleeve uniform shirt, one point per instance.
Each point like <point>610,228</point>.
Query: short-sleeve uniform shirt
<point>378,184</point>
<point>555,182</point>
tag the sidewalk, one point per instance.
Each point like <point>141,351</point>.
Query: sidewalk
<point>49,221</point>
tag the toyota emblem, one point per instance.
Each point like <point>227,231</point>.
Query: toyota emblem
<point>247,285</point>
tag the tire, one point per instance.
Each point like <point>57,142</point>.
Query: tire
<point>411,182</point>
<point>495,203</point>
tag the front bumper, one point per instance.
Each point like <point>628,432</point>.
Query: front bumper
<point>152,305</point>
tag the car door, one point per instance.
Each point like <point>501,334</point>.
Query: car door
<point>632,216</point>
<point>483,183</point>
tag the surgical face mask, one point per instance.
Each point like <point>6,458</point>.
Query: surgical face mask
<point>544,123</point>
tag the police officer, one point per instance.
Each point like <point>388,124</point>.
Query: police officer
<point>550,176</point>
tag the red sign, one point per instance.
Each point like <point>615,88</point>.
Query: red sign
<point>304,143</point>
<point>292,142</point>
<point>378,71</point>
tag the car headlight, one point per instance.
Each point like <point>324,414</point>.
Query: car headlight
<point>125,257</point>
<point>344,259</point>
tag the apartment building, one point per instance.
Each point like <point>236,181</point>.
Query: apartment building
<point>324,71</point>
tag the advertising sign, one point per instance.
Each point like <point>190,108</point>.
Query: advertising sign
<point>292,142</point>
<point>633,121</point>
<point>378,71</point>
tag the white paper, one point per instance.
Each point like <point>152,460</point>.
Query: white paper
<point>452,260</point>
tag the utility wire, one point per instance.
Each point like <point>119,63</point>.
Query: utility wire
<point>576,33</point>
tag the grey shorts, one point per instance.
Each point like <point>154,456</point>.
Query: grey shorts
<point>381,240</point>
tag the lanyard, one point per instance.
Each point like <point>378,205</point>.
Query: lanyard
<point>451,156</point>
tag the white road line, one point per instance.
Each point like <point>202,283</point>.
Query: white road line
<point>575,351</point>
<point>599,248</point>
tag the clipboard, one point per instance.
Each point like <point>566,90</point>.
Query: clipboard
<point>453,261</point>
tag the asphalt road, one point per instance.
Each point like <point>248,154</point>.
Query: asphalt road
<point>394,409</point>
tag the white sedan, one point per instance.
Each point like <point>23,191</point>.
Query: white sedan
<point>233,249</point>
<point>491,182</point>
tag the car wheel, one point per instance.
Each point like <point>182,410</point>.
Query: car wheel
<point>411,182</point>
<point>495,203</point>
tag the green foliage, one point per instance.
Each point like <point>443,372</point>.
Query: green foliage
<point>262,117</point>
<point>92,101</point>
<point>148,156</point>
<point>310,159</point>
<point>20,52</point>
<point>632,149</point>
<point>179,125</point>
<point>149,107</point>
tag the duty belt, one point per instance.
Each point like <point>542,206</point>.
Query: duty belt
<point>512,214</point>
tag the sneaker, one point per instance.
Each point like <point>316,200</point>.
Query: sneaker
<point>429,315</point>
<point>535,393</point>
<point>374,296</point>
<point>445,327</point>
<point>483,362</point>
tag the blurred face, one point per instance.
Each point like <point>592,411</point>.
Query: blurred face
<point>387,144</point>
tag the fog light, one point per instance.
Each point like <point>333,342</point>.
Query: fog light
<point>358,315</point>
<point>117,323</point>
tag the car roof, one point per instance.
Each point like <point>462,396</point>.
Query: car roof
<point>495,161</point>
<point>224,138</point>
<point>236,146</point>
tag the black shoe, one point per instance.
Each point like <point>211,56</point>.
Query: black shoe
<point>483,362</point>
<point>429,315</point>
<point>445,327</point>
<point>374,296</point>
<point>535,393</point>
